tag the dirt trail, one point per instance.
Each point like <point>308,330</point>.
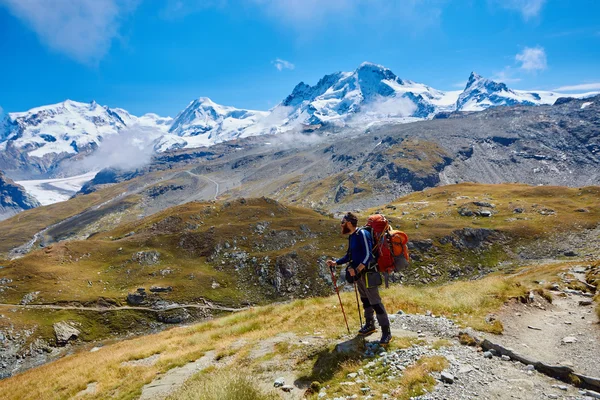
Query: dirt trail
<point>104,309</point>
<point>539,329</point>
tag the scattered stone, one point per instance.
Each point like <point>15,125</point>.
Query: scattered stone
<point>529,368</point>
<point>569,339</point>
<point>465,369</point>
<point>592,394</point>
<point>29,297</point>
<point>147,257</point>
<point>287,388</point>
<point>505,357</point>
<point>447,377</point>
<point>487,354</point>
<point>136,299</point>
<point>160,289</point>
<point>570,253</point>
<point>518,210</point>
<point>64,333</point>
<point>352,375</point>
<point>485,213</point>
<point>535,328</point>
<point>89,390</point>
<point>279,382</point>
<point>585,303</point>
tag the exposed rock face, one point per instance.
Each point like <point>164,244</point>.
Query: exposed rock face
<point>151,257</point>
<point>14,198</point>
<point>65,332</point>
<point>470,238</point>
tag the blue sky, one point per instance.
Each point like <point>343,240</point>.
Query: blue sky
<point>158,55</point>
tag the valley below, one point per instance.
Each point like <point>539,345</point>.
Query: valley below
<point>161,280</point>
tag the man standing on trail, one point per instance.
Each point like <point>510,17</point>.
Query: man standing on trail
<point>360,257</point>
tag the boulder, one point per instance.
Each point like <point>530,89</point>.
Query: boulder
<point>136,299</point>
<point>64,333</point>
<point>279,382</point>
<point>159,289</point>
<point>151,257</point>
<point>447,377</point>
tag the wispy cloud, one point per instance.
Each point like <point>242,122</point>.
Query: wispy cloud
<point>579,87</point>
<point>81,29</point>
<point>528,8</point>
<point>532,59</point>
<point>282,64</point>
<point>506,76</point>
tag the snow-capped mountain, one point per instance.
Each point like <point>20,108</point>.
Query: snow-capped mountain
<point>34,143</point>
<point>481,93</point>
<point>371,92</point>
<point>44,136</point>
<point>204,122</point>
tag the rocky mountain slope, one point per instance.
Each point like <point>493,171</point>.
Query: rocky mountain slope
<point>51,141</point>
<point>545,145</point>
<point>549,145</point>
<point>13,198</point>
<point>40,141</point>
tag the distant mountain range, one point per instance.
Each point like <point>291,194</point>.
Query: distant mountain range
<point>39,142</point>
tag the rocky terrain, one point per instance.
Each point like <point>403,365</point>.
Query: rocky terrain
<point>13,198</point>
<point>549,145</point>
<point>66,139</point>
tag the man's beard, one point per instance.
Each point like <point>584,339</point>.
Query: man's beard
<point>345,230</point>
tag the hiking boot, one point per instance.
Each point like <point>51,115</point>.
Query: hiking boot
<point>367,329</point>
<point>386,336</point>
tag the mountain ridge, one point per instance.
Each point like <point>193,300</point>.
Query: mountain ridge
<point>46,141</point>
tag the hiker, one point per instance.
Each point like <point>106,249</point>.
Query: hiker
<point>360,257</point>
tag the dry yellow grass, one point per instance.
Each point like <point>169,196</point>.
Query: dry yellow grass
<point>466,302</point>
<point>225,384</point>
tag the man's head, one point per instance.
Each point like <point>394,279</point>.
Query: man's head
<point>349,223</point>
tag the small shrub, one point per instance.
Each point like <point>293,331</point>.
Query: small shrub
<point>467,340</point>
<point>545,294</point>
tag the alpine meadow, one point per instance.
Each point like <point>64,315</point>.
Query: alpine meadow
<point>310,225</point>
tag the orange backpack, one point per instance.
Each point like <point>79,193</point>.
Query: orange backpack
<point>389,246</point>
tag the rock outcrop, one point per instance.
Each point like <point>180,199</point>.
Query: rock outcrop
<point>14,198</point>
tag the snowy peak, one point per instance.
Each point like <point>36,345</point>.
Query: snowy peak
<point>371,92</point>
<point>481,93</point>
<point>203,116</point>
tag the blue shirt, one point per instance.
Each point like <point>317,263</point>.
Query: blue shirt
<point>360,245</point>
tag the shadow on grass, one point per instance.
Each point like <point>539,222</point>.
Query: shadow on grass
<point>329,361</point>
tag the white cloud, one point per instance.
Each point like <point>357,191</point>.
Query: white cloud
<point>528,8</point>
<point>390,107</point>
<point>81,29</point>
<point>580,87</point>
<point>131,148</point>
<point>282,64</point>
<point>532,59</point>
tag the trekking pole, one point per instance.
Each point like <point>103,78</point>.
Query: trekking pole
<point>339,298</point>
<point>358,304</point>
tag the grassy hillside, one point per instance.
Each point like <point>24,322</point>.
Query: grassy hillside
<point>236,337</point>
<point>258,251</point>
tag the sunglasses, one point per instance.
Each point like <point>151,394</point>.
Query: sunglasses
<point>343,222</point>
